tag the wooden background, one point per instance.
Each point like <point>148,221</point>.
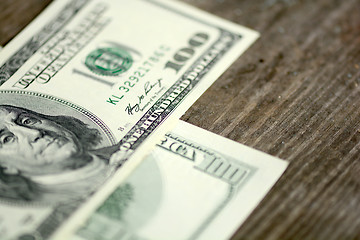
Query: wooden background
<point>294,94</point>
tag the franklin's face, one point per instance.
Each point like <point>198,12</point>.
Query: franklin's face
<point>34,145</point>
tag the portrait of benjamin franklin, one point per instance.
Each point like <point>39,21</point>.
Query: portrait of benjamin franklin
<point>49,159</point>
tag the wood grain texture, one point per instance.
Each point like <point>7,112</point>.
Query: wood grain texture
<point>294,94</point>
<point>16,14</point>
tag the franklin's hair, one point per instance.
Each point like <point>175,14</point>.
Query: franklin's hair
<point>18,188</point>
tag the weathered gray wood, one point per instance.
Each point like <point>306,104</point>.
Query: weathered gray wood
<point>16,14</point>
<point>294,94</point>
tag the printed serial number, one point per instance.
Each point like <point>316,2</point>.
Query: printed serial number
<point>137,75</point>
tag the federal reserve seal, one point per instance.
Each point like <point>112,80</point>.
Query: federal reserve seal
<point>109,61</point>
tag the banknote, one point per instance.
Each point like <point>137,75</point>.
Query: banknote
<point>86,90</point>
<point>193,185</point>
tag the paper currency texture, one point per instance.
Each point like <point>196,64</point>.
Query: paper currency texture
<point>193,185</point>
<point>86,90</point>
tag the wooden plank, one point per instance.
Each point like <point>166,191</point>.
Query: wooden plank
<point>16,14</point>
<point>294,94</point>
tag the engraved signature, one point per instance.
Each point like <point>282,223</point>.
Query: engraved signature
<point>148,87</point>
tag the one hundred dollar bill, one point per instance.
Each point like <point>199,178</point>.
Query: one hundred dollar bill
<point>86,90</point>
<point>193,185</point>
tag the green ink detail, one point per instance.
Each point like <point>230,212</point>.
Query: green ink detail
<point>109,61</point>
<point>106,223</point>
<point>115,206</point>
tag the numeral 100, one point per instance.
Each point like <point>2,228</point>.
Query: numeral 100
<point>184,54</point>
